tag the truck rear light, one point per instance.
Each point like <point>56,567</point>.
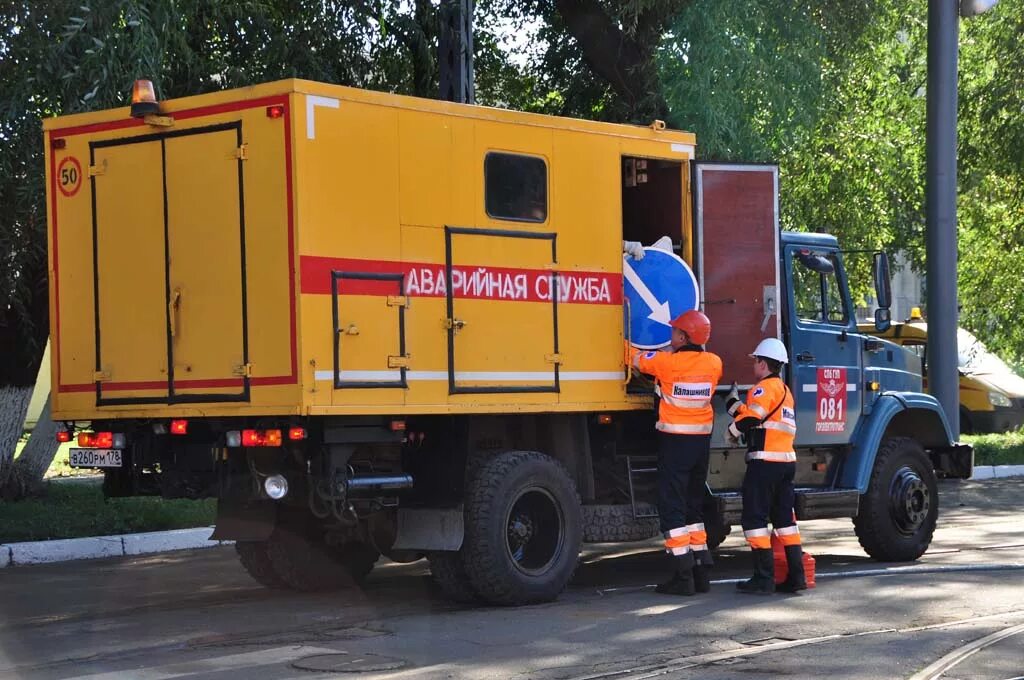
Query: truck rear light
<point>275,111</point>
<point>63,436</point>
<point>233,439</point>
<point>96,440</point>
<point>296,433</point>
<point>604,419</point>
<point>119,440</point>
<point>179,427</point>
<point>261,437</point>
<point>397,425</point>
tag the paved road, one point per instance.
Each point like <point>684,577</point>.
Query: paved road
<point>956,613</point>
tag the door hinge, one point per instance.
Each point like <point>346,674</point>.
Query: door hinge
<point>553,358</point>
<point>100,169</point>
<point>242,152</point>
<point>398,301</point>
<point>456,324</point>
<point>399,361</point>
<point>101,376</point>
<point>243,371</point>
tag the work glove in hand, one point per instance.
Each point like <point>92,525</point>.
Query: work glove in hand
<point>732,400</point>
<point>733,435</point>
<point>634,249</point>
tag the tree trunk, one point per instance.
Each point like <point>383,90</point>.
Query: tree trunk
<point>13,408</point>
<point>31,466</point>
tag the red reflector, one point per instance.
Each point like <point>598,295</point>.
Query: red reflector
<point>297,433</point>
<point>275,111</point>
<point>179,427</point>
<point>261,437</point>
<point>63,436</point>
<point>819,467</point>
<point>96,440</point>
<point>604,419</point>
<point>397,425</point>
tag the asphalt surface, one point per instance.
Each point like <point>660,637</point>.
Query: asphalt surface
<point>958,612</point>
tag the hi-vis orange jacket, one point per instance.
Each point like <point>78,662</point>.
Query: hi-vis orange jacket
<point>769,401</point>
<point>687,380</point>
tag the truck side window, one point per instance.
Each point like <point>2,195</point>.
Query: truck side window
<point>817,295</point>
<point>516,187</point>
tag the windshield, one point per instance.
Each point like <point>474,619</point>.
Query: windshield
<point>974,357</point>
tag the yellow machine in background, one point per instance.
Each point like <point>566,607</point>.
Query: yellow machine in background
<point>991,394</point>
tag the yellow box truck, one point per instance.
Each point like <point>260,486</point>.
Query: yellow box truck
<point>369,323</point>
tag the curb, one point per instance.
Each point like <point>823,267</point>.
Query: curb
<point>62,550</point>
<point>997,471</point>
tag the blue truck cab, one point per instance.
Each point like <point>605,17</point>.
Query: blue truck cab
<point>870,444</point>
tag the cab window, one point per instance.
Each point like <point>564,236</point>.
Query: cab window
<point>817,294</point>
<point>516,187</point>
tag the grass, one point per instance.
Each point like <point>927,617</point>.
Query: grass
<point>997,449</point>
<point>72,509</point>
<point>76,508</point>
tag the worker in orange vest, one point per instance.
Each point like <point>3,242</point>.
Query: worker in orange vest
<point>767,421</point>
<point>686,377</point>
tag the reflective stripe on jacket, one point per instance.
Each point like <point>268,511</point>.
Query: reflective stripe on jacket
<point>687,380</point>
<point>780,427</point>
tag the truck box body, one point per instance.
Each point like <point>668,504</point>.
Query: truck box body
<point>307,249</point>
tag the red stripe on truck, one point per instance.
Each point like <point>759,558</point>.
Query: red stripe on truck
<point>425,279</point>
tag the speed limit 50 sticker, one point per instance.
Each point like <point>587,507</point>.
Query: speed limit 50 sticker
<point>831,413</point>
<point>69,176</point>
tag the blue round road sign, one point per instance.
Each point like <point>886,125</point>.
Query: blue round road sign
<point>657,288</point>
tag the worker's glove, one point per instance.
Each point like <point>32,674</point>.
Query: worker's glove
<point>634,249</point>
<point>732,400</point>
<point>733,435</point>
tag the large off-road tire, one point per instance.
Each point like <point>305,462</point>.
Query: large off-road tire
<point>898,513</point>
<point>523,528</point>
<point>300,556</point>
<point>254,558</point>
<point>450,575</point>
<point>616,523</point>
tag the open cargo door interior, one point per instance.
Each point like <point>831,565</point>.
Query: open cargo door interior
<point>736,233</point>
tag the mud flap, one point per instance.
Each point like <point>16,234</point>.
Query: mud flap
<point>244,521</point>
<point>429,529</point>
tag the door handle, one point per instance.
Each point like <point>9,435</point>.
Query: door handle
<point>805,356</point>
<point>172,311</point>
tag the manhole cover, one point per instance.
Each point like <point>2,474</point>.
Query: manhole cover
<point>348,663</point>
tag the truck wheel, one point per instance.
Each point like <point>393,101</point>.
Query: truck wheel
<point>254,558</point>
<point>616,523</point>
<point>523,528</point>
<point>898,513</point>
<point>451,578</point>
<point>301,557</point>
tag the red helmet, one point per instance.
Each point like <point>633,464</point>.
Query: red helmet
<point>696,326</point>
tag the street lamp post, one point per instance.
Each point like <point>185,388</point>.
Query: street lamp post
<point>940,199</point>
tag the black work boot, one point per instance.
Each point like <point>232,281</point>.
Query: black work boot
<point>763,580</point>
<point>796,579</point>
<point>681,582</point>
<point>702,577</point>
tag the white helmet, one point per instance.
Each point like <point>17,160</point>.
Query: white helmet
<point>771,348</point>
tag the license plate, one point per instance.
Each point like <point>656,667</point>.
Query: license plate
<point>96,458</point>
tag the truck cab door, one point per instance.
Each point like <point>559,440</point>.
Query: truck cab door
<point>824,347</point>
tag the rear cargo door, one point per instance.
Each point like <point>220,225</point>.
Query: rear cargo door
<point>128,272</point>
<point>169,264</point>
<point>206,265</point>
<point>736,232</point>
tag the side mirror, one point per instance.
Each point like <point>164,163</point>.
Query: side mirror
<point>883,292</point>
<point>883,320</point>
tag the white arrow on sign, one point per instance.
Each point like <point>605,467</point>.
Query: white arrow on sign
<point>659,310</point>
